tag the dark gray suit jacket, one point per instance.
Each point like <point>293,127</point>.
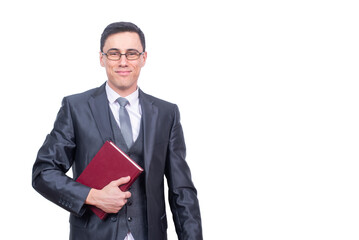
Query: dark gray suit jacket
<point>81,127</point>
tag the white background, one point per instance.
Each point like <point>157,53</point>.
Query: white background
<point>268,94</point>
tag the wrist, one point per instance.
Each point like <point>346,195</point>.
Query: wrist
<point>91,197</point>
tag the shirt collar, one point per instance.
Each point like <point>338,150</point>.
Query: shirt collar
<point>112,95</point>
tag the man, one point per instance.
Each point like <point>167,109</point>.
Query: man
<point>146,128</point>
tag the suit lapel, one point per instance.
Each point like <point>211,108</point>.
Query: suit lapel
<point>100,111</point>
<point>149,115</point>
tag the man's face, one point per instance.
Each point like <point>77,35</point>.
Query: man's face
<point>123,74</point>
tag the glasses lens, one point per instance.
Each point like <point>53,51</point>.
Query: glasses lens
<point>113,55</point>
<point>132,55</point>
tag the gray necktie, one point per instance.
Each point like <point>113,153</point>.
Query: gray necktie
<point>125,122</point>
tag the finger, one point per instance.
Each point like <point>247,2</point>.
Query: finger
<point>121,181</point>
<point>127,195</point>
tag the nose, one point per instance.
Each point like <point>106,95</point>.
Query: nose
<point>123,60</point>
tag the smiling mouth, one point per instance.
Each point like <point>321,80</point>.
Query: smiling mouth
<point>123,73</point>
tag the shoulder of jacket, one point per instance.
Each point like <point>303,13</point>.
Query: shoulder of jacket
<point>84,96</point>
<point>157,101</point>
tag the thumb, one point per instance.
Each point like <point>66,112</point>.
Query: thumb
<point>121,181</point>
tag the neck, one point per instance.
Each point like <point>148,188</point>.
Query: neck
<point>122,91</point>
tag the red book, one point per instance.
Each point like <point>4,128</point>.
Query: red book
<point>109,164</point>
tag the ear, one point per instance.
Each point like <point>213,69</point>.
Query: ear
<point>144,58</point>
<point>101,60</point>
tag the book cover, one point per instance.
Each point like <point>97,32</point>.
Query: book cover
<point>110,163</point>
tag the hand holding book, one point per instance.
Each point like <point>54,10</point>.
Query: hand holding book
<point>110,199</point>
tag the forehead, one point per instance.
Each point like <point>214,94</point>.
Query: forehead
<point>123,41</point>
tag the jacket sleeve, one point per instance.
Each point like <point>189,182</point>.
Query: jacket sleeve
<point>182,193</point>
<point>54,159</point>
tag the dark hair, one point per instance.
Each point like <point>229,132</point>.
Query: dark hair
<point>118,27</point>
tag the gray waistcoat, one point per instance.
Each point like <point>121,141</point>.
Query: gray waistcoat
<point>133,216</point>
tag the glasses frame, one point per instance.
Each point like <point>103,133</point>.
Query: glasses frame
<point>120,55</point>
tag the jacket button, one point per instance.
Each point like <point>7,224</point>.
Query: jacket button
<point>113,219</point>
<point>129,202</point>
<point>129,219</point>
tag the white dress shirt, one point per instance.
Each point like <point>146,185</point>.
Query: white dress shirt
<point>133,109</point>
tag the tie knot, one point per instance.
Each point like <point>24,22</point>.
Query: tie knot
<point>122,101</point>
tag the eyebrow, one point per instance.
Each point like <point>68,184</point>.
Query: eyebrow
<point>130,49</point>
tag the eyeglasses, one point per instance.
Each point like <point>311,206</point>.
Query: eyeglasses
<point>116,54</point>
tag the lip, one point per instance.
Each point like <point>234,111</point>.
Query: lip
<point>123,73</point>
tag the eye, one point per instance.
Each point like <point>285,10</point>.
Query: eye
<point>132,53</point>
<point>113,53</point>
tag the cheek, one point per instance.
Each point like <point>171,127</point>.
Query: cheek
<point>109,67</point>
<point>137,67</point>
